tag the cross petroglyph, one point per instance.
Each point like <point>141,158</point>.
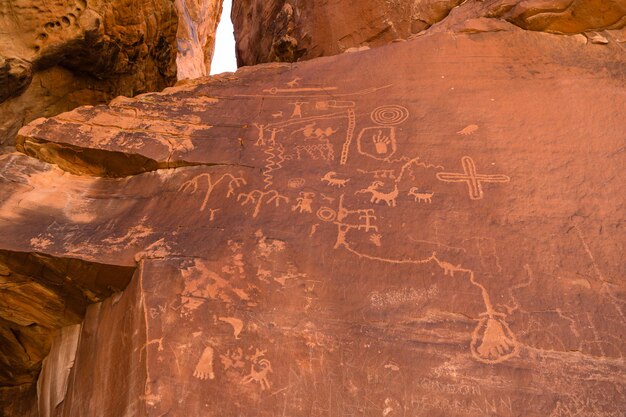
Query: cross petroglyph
<point>474,181</point>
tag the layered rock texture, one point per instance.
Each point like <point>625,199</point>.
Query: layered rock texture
<point>430,228</point>
<point>291,30</point>
<point>57,55</point>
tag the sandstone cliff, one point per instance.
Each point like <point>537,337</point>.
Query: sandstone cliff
<point>289,30</point>
<point>58,55</point>
<point>429,228</point>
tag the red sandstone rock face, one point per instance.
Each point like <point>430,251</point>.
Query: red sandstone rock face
<point>364,234</point>
<point>285,30</point>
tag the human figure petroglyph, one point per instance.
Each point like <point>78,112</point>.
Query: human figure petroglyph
<point>389,198</point>
<point>421,197</point>
<point>304,202</point>
<point>331,179</point>
<point>474,181</point>
<point>193,184</point>
<point>261,140</point>
<point>259,373</point>
<point>204,367</point>
<point>297,109</point>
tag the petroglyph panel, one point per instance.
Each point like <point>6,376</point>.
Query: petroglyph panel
<point>388,243</point>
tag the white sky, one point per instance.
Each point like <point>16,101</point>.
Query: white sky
<point>224,56</point>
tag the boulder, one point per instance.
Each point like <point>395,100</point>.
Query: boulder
<point>430,228</point>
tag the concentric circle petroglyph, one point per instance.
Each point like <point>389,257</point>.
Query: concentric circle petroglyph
<point>389,115</point>
<point>326,214</point>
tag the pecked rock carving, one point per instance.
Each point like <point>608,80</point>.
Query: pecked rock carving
<point>320,239</point>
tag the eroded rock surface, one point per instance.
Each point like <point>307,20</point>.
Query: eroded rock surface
<point>59,54</point>
<point>289,31</point>
<point>366,234</point>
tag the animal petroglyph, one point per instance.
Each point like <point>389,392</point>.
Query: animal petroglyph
<point>204,368</point>
<point>193,185</point>
<point>389,198</point>
<point>421,197</point>
<point>468,130</point>
<point>259,373</point>
<point>474,181</point>
<point>256,197</point>
<point>376,239</point>
<point>235,322</point>
<point>297,109</point>
<point>330,179</point>
<point>304,202</point>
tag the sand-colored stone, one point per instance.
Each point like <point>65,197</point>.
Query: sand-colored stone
<point>430,228</point>
<point>197,24</point>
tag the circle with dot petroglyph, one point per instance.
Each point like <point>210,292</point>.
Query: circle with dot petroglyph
<point>389,115</point>
<point>326,214</point>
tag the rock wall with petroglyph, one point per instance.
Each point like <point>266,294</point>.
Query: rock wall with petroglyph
<point>362,234</point>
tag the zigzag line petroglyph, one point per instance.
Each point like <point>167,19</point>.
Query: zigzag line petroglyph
<point>273,162</point>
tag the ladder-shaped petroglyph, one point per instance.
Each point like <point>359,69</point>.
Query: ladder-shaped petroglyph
<point>193,185</point>
<point>474,180</point>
